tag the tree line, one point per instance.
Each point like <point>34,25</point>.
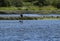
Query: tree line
<point>20,3</point>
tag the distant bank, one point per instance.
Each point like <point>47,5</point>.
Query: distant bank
<point>29,11</point>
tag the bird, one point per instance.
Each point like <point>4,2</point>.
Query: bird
<point>21,15</point>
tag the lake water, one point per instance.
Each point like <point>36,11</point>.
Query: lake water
<point>30,30</point>
<point>29,15</point>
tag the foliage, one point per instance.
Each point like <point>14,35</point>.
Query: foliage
<point>20,3</point>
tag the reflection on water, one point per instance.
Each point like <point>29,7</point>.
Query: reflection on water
<point>29,30</point>
<point>21,21</point>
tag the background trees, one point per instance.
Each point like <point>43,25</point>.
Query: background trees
<point>19,3</point>
<point>7,3</point>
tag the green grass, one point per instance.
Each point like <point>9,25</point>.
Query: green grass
<point>34,9</point>
<point>29,8</point>
<point>48,8</point>
<point>8,8</point>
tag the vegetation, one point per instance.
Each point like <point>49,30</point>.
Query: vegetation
<point>29,4</point>
<point>31,18</point>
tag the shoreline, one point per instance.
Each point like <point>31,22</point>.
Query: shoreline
<point>30,18</point>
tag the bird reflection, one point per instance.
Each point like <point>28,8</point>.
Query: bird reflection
<point>21,21</point>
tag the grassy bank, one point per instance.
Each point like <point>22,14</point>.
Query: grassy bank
<point>33,9</point>
<point>30,18</point>
<point>29,8</point>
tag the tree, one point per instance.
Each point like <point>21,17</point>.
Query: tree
<point>17,3</point>
<point>2,3</point>
<point>40,2</point>
<point>56,3</point>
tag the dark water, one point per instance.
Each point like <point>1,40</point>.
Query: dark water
<point>30,30</point>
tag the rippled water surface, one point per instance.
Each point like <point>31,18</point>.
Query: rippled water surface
<point>30,30</point>
<point>29,15</point>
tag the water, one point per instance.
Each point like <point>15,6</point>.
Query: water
<point>30,30</point>
<point>37,15</point>
<point>29,15</point>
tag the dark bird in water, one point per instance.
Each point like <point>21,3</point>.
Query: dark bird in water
<point>21,15</point>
